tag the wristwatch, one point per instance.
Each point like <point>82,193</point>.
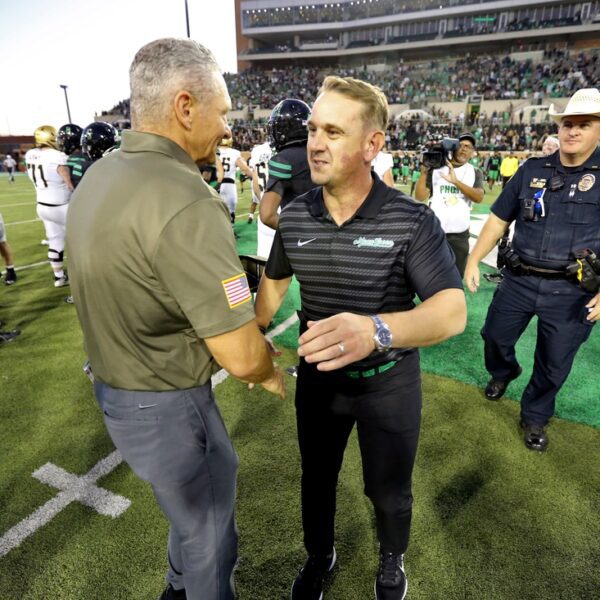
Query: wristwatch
<point>383,334</point>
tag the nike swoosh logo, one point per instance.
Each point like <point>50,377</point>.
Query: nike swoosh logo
<point>146,405</point>
<point>303,243</point>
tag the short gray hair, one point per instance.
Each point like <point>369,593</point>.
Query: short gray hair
<point>163,67</point>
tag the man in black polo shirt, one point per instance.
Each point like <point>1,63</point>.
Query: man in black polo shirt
<point>289,174</point>
<point>361,251</point>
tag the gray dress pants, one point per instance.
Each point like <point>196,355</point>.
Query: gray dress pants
<point>177,442</point>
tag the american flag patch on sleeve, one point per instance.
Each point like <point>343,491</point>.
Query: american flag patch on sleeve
<point>237,290</point>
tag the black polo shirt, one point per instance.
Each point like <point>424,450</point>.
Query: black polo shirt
<point>571,218</point>
<point>392,249</point>
<point>289,173</point>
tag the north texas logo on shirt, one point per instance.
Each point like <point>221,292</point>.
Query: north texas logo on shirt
<point>363,242</point>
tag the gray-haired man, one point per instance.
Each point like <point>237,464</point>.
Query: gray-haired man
<point>167,303</point>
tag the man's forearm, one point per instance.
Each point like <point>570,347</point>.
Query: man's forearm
<point>269,297</point>
<point>473,194</point>
<point>434,320</point>
<point>422,192</point>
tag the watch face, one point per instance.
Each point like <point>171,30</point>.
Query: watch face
<point>385,337</point>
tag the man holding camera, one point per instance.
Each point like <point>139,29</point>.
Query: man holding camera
<point>551,270</point>
<point>451,190</point>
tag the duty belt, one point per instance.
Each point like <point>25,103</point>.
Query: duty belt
<point>525,269</point>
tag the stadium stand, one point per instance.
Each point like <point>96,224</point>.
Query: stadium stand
<point>516,78</point>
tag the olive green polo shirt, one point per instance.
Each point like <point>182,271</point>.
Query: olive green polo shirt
<point>153,267</point>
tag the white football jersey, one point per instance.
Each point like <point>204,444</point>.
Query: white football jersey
<point>259,162</point>
<point>381,163</point>
<point>229,158</point>
<point>42,168</point>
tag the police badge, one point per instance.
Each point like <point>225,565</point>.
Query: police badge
<point>586,183</point>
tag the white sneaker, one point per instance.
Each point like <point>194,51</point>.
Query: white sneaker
<point>61,281</point>
<point>45,243</point>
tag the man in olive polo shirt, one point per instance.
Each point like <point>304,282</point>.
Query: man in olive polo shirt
<point>163,302</point>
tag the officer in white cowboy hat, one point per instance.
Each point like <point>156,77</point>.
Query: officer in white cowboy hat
<point>551,272</point>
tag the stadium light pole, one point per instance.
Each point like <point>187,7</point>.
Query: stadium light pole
<point>187,19</point>
<point>64,87</point>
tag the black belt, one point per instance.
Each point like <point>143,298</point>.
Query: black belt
<point>228,180</point>
<point>44,204</point>
<point>524,269</point>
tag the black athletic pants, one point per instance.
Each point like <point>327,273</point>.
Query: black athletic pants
<point>459,242</point>
<point>387,411</point>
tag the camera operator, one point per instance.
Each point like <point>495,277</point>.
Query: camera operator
<point>451,189</point>
<point>551,267</point>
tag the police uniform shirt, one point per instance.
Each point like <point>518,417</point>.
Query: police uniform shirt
<point>154,267</point>
<point>390,250</point>
<point>571,218</point>
<point>78,164</point>
<point>289,173</point>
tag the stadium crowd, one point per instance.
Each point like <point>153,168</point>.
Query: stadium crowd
<point>556,75</point>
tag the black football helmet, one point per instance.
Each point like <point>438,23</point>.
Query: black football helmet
<point>68,138</point>
<point>287,123</point>
<point>97,138</point>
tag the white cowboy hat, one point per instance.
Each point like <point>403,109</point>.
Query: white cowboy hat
<point>583,102</point>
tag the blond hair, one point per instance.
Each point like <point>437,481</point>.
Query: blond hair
<point>375,105</point>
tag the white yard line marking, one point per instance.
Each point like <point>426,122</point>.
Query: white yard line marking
<point>23,222</point>
<point>31,266</point>
<point>17,204</point>
<point>73,488</point>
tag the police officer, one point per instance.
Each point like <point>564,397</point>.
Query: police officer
<point>289,174</point>
<point>555,204</point>
<point>361,250</point>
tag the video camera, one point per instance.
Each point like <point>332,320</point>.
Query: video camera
<point>438,154</point>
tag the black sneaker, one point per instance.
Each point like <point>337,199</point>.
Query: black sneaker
<point>308,585</point>
<point>171,593</point>
<point>391,583</point>
<point>9,336</point>
<point>11,277</point>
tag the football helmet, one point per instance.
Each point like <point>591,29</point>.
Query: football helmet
<point>97,138</point>
<point>287,123</point>
<point>68,138</point>
<point>45,135</point>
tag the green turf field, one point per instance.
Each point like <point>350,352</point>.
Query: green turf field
<point>491,521</point>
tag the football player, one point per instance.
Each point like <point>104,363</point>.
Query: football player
<point>259,163</point>
<point>289,174</point>
<point>6,253</point>
<point>10,164</point>
<point>97,139</point>
<point>232,160</point>
<point>68,140</point>
<point>48,171</point>
<point>382,165</point>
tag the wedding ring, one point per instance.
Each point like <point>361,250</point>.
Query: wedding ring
<point>341,347</point>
